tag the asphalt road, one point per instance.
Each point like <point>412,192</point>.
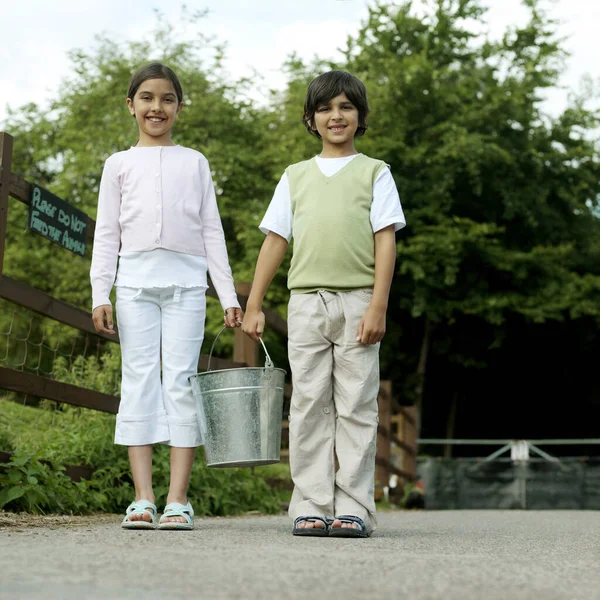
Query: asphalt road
<point>462,555</point>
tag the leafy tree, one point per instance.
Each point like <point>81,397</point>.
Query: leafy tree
<point>501,249</point>
<point>64,149</point>
<point>501,198</point>
<point>499,195</point>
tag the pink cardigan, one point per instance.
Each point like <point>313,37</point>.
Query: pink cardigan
<point>158,197</point>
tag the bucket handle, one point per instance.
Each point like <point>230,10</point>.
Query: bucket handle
<point>268,361</point>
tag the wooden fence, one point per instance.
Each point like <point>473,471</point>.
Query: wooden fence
<point>396,443</point>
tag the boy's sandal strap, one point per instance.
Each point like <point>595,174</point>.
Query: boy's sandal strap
<point>349,531</point>
<point>311,531</point>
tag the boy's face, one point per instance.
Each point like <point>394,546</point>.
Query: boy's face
<point>336,121</point>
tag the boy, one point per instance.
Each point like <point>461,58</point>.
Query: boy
<point>343,210</point>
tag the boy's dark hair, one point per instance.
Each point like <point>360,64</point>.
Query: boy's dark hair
<point>154,70</point>
<point>329,85</point>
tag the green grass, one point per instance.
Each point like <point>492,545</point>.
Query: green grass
<point>77,436</point>
<point>67,435</point>
<point>279,479</point>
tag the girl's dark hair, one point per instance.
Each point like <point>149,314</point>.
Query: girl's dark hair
<point>154,70</point>
<point>329,85</point>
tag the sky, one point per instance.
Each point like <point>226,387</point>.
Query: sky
<point>37,34</point>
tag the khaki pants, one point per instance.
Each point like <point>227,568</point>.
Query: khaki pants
<point>333,407</point>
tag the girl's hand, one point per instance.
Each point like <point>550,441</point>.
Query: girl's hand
<point>233,318</point>
<point>101,315</point>
<point>254,324</point>
<point>372,326</point>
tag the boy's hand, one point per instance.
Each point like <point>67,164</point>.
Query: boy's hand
<point>102,314</point>
<point>254,324</point>
<point>233,318</point>
<point>372,326</point>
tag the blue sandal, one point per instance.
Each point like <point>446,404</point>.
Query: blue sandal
<point>176,509</point>
<point>349,532</point>
<point>139,508</point>
<point>311,531</point>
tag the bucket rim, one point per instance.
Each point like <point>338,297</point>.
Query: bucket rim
<point>217,371</point>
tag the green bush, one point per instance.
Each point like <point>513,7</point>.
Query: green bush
<point>34,479</point>
<point>45,439</point>
<point>27,484</point>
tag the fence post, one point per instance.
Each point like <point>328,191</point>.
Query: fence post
<point>244,349</point>
<point>6,149</point>
<point>384,451</point>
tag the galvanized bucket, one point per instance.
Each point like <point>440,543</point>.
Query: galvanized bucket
<point>240,413</point>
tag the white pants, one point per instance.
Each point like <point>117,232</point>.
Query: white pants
<point>334,406</point>
<point>159,325</point>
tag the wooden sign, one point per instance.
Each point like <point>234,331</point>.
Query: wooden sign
<point>57,220</point>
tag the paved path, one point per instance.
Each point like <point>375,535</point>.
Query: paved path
<point>479,555</point>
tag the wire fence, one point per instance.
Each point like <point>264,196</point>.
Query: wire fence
<point>25,346</point>
<point>40,346</point>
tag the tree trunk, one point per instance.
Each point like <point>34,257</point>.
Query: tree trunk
<point>421,371</point>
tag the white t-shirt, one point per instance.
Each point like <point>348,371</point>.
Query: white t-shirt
<point>386,209</point>
<point>161,268</point>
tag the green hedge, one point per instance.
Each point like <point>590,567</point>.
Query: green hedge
<point>44,439</point>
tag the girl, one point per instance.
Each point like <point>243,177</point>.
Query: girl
<point>158,215</point>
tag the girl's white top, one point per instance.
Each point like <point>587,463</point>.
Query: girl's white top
<point>159,198</point>
<point>161,268</point>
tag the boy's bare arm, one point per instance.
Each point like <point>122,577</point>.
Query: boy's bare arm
<point>271,254</point>
<point>372,325</point>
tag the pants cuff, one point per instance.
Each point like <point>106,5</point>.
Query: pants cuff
<point>140,430</point>
<point>158,428</point>
<point>184,432</point>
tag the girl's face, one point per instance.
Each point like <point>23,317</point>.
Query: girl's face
<point>336,122</point>
<point>155,108</point>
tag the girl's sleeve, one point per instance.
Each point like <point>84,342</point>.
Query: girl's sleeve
<point>214,244</point>
<point>107,236</point>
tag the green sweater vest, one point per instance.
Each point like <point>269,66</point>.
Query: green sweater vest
<point>333,238</point>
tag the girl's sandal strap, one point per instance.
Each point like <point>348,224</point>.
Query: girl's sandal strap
<point>140,508</point>
<point>176,509</point>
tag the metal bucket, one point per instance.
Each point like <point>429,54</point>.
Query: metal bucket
<point>240,413</point>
